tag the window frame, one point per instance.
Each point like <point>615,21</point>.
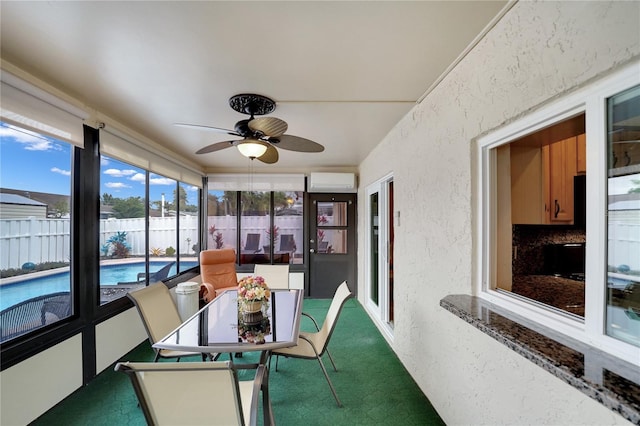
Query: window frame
<point>381,309</point>
<point>591,100</point>
<point>244,267</point>
<point>175,187</point>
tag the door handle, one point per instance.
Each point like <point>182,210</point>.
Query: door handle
<point>557,209</point>
<point>312,251</point>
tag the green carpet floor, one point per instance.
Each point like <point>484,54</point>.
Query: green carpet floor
<point>372,384</point>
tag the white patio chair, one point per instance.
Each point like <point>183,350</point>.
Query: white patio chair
<point>160,316</point>
<point>314,345</point>
<point>276,276</point>
<point>194,393</point>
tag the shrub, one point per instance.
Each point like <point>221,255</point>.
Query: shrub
<point>13,272</point>
<point>156,251</point>
<point>170,251</point>
<point>119,245</point>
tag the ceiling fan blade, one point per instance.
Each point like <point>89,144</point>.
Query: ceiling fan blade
<point>269,126</point>
<point>216,147</point>
<point>270,156</point>
<point>208,128</point>
<point>296,143</point>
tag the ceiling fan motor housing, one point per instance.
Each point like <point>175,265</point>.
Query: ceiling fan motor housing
<point>242,127</point>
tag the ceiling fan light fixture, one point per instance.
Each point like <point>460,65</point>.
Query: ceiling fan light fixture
<point>252,148</point>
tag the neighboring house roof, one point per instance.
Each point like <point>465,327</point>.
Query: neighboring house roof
<point>43,197</point>
<point>19,199</point>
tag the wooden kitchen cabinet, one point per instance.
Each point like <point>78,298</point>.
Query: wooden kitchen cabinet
<point>542,181</point>
<point>528,197</point>
<point>559,160</point>
<point>581,153</point>
<point>543,166</point>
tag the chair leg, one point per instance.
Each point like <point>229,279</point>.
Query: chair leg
<point>331,359</point>
<point>324,370</point>
<point>333,391</point>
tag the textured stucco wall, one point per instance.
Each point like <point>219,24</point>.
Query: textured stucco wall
<point>537,52</point>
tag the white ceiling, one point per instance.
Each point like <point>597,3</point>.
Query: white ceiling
<point>342,73</point>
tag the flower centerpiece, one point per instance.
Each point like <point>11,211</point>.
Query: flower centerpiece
<point>253,294</point>
<point>253,300</point>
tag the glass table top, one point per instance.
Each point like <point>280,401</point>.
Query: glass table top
<point>220,327</point>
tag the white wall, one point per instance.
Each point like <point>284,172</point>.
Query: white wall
<point>112,343</point>
<point>34,386</point>
<point>535,53</point>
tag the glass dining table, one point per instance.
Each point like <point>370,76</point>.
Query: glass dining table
<point>219,327</point>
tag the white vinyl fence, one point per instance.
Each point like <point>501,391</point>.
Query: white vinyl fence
<point>624,244</point>
<point>39,240</point>
<point>226,225</point>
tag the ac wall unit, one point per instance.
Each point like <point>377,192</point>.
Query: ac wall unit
<point>332,182</point>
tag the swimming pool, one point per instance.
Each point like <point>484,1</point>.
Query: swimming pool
<point>11,294</point>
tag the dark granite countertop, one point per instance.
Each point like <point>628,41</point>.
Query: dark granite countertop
<point>605,378</point>
<point>561,293</point>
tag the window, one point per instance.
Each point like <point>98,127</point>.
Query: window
<point>35,231</point>
<point>549,180</point>
<point>623,216</point>
<point>222,222</point>
<point>380,229</point>
<point>133,254</point>
<point>271,212</point>
<point>541,243</point>
<point>271,225</point>
<point>189,208</point>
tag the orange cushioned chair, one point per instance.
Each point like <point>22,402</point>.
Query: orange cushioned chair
<point>218,271</point>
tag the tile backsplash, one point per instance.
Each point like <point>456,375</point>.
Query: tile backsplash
<point>529,242</point>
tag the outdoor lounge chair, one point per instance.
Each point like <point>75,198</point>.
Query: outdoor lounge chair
<point>287,244</point>
<point>160,275</point>
<point>252,244</point>
<point>34,313</point>
<point>194,393</point>
<point>314,345</point>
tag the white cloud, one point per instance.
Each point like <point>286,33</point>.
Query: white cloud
<point>60,171</point>
<point>116,185</point>
<point>30,140</point>
<point>138,177</point>
<point>161,181</point>
<point>119,173</point>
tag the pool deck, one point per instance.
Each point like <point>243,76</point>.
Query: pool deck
<point>105,262</point>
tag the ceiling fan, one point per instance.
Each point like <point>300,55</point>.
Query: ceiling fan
<point>260,136</point>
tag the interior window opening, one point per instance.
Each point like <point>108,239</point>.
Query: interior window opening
<point>541,217</point>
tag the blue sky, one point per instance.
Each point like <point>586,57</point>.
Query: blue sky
<point>39,163</point>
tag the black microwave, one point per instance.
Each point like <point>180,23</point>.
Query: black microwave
<point>564,259</point>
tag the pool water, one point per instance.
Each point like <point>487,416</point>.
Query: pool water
<point>11,294</point>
